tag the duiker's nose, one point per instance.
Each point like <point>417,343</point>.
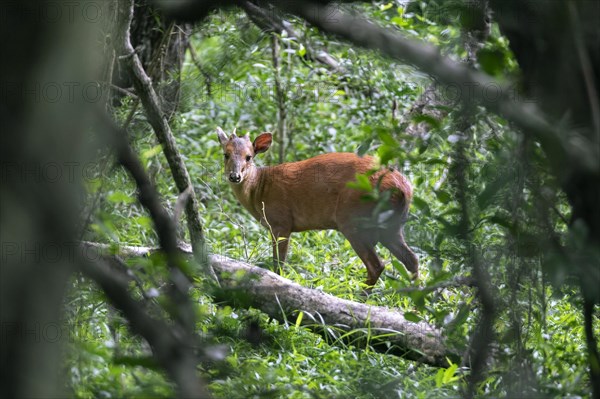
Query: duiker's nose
<point>235,177</point>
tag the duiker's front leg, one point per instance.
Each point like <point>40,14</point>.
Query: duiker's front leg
<point>280,248</point>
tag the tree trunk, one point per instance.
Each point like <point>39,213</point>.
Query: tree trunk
<point>386,330</point>
<point>161,47</point>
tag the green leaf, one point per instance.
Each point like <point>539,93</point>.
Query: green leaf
<point>362,183</point>
<point>439,378</point>
<point>145,361</point>
<point>501,220</point>
<point>144,221</point>
<point>449,374</point>
<point>400,269</point>
<point>386,153</point>
<point>410,316</point>
<point>434,161</point>
<point>442,276</point>
<point>301,51</point>
<point>460,318</point>
<point>386,138</point>
<point>400,21</point>
<point>364,147</point>
<point>428,119</point>
<point>299,319</point>
<point>152,152</point>
<point>491,61</point>
<point>418,298</point>
<point>421,205</point>
<point>120,196</point>
<point>443,196</point>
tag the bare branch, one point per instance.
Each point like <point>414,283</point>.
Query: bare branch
<point>280,95</point>
<point>158,121</point>
<point>269,21</point>
<point>201,69</point>
<point>121,90</point>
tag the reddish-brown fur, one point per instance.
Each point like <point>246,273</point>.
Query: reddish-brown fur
<point>313,195</point>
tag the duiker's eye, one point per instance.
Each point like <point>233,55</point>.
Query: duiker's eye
<point>226,156</point>
<point>248,158</point>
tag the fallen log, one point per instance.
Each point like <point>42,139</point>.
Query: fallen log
<point>384,329</point>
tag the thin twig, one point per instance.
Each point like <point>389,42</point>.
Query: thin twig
<point>121,90</point>
<point>586,70</point>
<point>454,283</point>
<point>151,69</point>
<point>203,72</point>
<point>280,96</point>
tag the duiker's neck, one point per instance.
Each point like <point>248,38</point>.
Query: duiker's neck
<point>248,190</point>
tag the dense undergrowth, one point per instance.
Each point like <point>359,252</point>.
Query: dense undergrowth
<point>539,348</point>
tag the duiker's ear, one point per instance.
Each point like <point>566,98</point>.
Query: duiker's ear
<point>222,136</point>
<point>262,142</point>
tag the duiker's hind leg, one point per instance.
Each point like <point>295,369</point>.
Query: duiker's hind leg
<point>397,246</point>
<point>365,249</point>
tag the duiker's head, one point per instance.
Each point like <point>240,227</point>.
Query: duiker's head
<point>239,153</point>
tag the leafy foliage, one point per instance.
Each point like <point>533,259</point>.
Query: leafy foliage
<point>511,202</point>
